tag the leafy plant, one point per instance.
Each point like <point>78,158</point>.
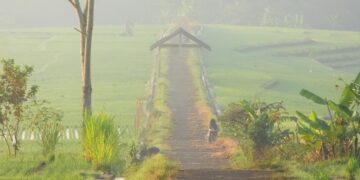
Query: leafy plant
<point>352,167</point>
<point>255,121</point>
<point>47,121</point>
<point>14,93</point>
<point>339,136</point>
<point>101,142</point>
<point>133,150</point>
<point>316,133</point>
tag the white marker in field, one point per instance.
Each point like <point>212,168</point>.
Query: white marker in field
<point>32,136</point>
<point>67,133</point>
<point>23,134</point>
<point>76,134</point>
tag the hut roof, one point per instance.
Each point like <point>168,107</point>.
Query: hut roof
<point>180,31</point>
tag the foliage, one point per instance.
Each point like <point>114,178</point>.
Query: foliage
<point>352,167</point>
<point>339,136</point>
<point>257,122</point>
<point>25,166</point>
<point>50,137</point>
<point>133,150</point>
<point>101,142</point>
<point>47,121</point>
<point>14,93</point>
<point>153,168</point>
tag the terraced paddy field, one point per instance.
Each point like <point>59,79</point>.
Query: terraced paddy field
<point>120,67</point>
<point>274,64</point>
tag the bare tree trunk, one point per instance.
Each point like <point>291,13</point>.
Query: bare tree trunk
<point>86,20</point>
<point>87,59</point>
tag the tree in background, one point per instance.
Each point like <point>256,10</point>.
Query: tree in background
<point>86,20</point>
<point>268,18</point>
<point>185,8</point>
<point>14,93</point>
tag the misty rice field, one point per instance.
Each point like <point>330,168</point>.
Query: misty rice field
<point>256,63</point>
<point>120,67</point>
<point>274,64</point>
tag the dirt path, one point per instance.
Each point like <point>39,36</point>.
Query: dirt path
<point>189,146</point>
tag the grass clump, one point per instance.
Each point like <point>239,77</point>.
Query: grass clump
<point>351,168</point>
<point>49,138</point>
<point>101,142</point>
<point>157,167</point>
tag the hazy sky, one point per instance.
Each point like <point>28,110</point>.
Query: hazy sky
<point>332,14</point>
<point>34,13</point>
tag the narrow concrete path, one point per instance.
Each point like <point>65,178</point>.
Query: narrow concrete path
<point>188,141</point>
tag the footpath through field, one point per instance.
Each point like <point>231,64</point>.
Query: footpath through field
<point>187,140</point>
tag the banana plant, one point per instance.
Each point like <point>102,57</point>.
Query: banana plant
<point>344,116</point>
<point>316,132</point>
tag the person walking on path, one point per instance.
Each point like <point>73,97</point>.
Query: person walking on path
<point>213,130</point>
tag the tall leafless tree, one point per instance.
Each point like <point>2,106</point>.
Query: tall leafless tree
<point>86,20</point>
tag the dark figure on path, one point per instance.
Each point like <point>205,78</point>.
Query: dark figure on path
<point>213,129</point>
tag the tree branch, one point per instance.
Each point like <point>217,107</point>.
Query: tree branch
<point>77,7</point>
<point>78,30</point>
<point>86,8</point>
<point>72,3</point>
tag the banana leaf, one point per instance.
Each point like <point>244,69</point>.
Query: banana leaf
<point>311,96</point>
<point>307,134</point>
<point>357,79</point>
<point>347,97</point>
<point>339,109</point>
<point>356,87</point>
<point>311,135</point>
<point>314,122</point>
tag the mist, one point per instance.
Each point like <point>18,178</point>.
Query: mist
<point>322,14</point>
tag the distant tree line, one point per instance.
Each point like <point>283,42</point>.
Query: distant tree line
<point>324,14</point>
<point>329,14</point>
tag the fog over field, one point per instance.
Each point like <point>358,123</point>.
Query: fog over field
<point>324,14</point>
<point>179,89</point>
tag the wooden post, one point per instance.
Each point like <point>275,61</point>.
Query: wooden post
<point>158,61</point>
<point>139,115</point>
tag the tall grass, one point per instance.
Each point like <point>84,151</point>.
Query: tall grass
<point>50,136</point>
<point>101,142</point>
<point>154,168</point>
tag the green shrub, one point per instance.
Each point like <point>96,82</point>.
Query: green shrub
<point>321,175</point>
<point>337,137</point>
<point>257,122</point>
<point>47,121</point>
<point>133,150</point>
<point>352,167</point>
<point>101,142</point>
